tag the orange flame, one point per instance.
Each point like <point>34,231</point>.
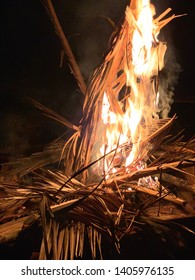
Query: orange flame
<point>126,126</point>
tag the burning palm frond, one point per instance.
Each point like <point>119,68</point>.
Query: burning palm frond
<point>128,93</point>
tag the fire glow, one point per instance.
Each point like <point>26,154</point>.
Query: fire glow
<point>127,126</point>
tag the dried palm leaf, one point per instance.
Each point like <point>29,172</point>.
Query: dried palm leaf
<point>53,115</point>
<point>65,46</point>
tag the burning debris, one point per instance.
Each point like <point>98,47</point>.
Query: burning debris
<point>120,164</point>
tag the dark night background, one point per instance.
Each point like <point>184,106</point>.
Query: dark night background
<point>30,65</point>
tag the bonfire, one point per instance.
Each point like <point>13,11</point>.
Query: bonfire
<point>123,171</point>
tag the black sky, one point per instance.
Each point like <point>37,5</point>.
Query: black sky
<point>30,64</point>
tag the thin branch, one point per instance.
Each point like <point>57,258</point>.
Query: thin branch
<point>67,49</point>
<point>52,114</point>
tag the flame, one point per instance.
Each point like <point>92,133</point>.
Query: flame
<point>143,39</point>
<point>123,132</point>
<point>128,94</point>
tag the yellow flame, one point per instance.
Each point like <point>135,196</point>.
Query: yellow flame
<point>126,128</point>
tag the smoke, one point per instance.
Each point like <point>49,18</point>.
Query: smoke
<point>168,79</point>
<point>169,75</point>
